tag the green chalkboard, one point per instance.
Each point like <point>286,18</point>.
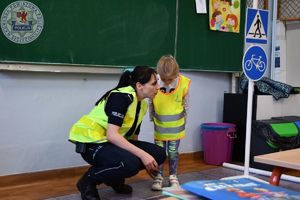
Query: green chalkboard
<point>97,32</point>
<point>120,33</point>
<point>201,48</point>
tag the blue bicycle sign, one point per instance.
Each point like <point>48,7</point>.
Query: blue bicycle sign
<point>254,62</point>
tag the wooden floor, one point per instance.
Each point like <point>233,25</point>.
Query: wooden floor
<point>56,183</point>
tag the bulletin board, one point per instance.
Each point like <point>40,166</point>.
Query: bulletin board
<point>114,33</point>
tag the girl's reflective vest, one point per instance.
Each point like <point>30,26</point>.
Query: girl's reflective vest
<point>169,116</point>
<point>92,128</point>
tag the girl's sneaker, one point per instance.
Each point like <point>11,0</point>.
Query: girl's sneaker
<point>173,181</point>
<point>158,183</point>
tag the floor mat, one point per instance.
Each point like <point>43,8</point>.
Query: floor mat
<point>141,190</point>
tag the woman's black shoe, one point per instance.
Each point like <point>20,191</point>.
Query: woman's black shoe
<point>122,188</point>
<point>87,189</point>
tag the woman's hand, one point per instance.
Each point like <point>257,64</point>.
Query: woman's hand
<point>150,164</point>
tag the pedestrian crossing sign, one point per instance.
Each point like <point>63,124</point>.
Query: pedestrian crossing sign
<point>257,26</point>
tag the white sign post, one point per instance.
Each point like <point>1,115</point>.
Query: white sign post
<point>254,66</point>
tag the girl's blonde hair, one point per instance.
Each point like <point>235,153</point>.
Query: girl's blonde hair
<point>167,66</point>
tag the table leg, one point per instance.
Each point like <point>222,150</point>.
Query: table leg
<point>276,174</point>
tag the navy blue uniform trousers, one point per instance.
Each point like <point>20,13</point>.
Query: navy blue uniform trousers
<point>111,164</point>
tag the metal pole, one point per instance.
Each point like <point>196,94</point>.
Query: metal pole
<point>248,126</point>
<point>255,4</point>
<point>249,117</point>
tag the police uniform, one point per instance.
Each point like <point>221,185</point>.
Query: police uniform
<point>111,164</point>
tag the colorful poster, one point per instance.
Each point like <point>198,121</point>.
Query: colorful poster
<point>238,189</point>
<point>224,15</point>
<point>179,193</point>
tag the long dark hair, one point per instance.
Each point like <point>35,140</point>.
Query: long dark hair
<point>141,74</point>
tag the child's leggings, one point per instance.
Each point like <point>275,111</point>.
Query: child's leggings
<point>171,147</point>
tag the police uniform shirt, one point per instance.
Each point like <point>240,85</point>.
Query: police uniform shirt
<point>116,108</point>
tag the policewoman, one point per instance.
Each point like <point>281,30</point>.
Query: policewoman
<point>106,138</point>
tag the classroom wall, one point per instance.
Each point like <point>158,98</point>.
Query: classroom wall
<point>37,110</point>
<point>289,42</point>
<point>292,53</point>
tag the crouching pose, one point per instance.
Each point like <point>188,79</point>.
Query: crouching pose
<point>106,138</point>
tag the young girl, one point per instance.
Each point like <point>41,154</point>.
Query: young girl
<point>168,112</point>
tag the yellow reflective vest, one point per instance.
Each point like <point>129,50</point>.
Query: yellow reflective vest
<point>169,113</point>
<point>92,128</point>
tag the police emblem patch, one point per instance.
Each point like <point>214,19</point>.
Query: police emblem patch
<point>22,22</point>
